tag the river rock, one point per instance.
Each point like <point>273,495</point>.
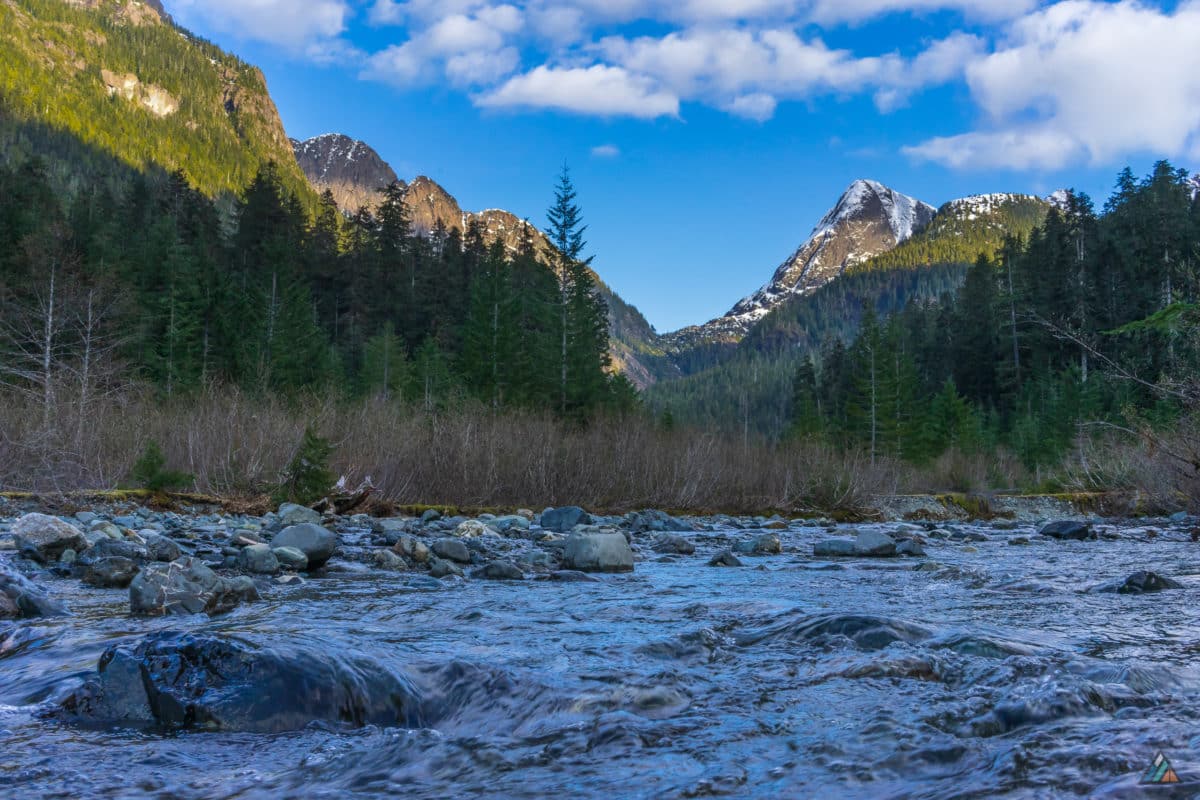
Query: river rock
<point>413,549</point>
<point>1141,583</point>
<point>161,548</point>
<point>292,514</point>
<point>473,529</point>
<point>453,550</point>
<point>386,559</point>
<point>564,520</point>
<point>652,521</point>
<point>833,548</point>
<point>112,572</point>
<point>512,522</point>
<point>441,568</point>
<point>109,548</point>
<point>44,538</point>
<point>598,552</point>
<point>725,558</point>
<point>258,559</point>
<point>674,543</point>
<point>290,558</point>
<point>1068,529</point>
<point>499,571</point>
<point>186,586</point>
<point>317,543</point>
<point>768,544</point>
<point>911,548</point>
<point>186,681</point>
<point>22,598</point>
<point>571,576</point>
<point>874,544</point>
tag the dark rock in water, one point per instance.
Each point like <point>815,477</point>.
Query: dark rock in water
<point>910,547</point>
<point>874,544</point>
<point>162,548</point>
<point>1140,583</point>
<point>1068,529</point>
<point>833,548</point>
<point>317,543</point>
<point>1019,541</point>
<point>44,538</point>
<point>441,568</point>
<point>258,559</point>
<point>184,681</point>
<point>598,552</point>
<point>725,558</point>
<point>768,544</point>
<point>564,520</point>
<point>291,558</point>
<point>430,515</point>
<point>186,586</point>
<point>112,548</point>
<point>452,549</point>
<point>673,543</point>
<point>649,521</point>
<point>572,576</point>
<point>499,571</point>
<point>412,548</point>
<point>20,598</point>
<point>113,572</point>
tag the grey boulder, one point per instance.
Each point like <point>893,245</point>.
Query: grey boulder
<point>291,558</point>
<point>598,552</point>
<point>317,543</point>
<point>112,572</point>
<point>564,520</point>
<point>21,598</point>
<point>293,514</point>
<point>874,544</point>
<point>725,558</point>
<point>499,571</point>
<point>186,586</point>
<point>674,543</point>
<point>833,548</point>
<point>768,544</point>
<point>259,559</point>
<point>1140,583</point>
<point>1068,530</point>
<point>44,538</point>
<point>452,550</point>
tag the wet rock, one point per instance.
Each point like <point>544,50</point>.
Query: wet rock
<point>430,515</point>
<point>44,538</point>
<point>290,558</point>
<point>440,568</point>
<point>453,550</point>
<point>564,520</point>
<point>386,559</point>
<point>499,571</point>
<point>1068,530</point>
<point>318,544</point>
<point>1019,541</point>
<point>598,552</point>
<point>412,548</point>
<point>112,572</point>
<point>109,548</point>
<point>911,548</point>
<point>258,559</point>
<point>186,586</point>
<point>514,522</point>
<point>673,543</point>
<point>21,598</point>
<point>291,514</point>
<point>161,548</point>
<point>651,521</point>
<point>184,681</point>
<point>833,548</point>
<point>768,544</point>
<point>1140,583</point>
<point>874,544</point>
<point>725,558</point>
<point>572,576</point>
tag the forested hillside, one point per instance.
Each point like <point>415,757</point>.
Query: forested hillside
<point>1093,319</point>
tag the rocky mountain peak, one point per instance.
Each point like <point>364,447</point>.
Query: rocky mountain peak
<point>350,169</point>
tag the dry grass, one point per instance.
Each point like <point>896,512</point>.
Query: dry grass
<point>236,445</point>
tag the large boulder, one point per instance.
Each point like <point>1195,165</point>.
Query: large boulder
<point>473,529</point>
<point>598,552</point>
<point>161,548</point>
<point>653,521</point>
<point>452,550</point>
<point>675,544</point>
<point>499,571</point>
<point>111,548</point>
<point>259,559</point>
<point>564,520</point>
<point>186,681</point>
<point>317,543</point>
<point>1068,529</point>
<point>725,558</point>
<point>874,544</point>
<point>20,598</point>
<point>291,558</point>
<point>767,544</point>
<point>44,538</point>
<point>833,548</point>
<point>293,514</point>
<point>1140,583</point>
<point>186,586</point>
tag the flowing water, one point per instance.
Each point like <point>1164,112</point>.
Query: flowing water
<point>991,671</point>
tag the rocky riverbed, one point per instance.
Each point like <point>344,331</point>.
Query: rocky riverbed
<point>201,655</point>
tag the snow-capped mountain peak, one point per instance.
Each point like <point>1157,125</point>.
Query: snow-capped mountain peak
<point>1060,199</point>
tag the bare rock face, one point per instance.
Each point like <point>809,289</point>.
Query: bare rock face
<point>155,99</point>
<point>348,168</point>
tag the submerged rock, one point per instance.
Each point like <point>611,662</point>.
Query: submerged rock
<point>1140,583</point>
<point>44,538</point>
<point>317,543</point>
<point>21,598</point>
<point>185,681</point>
<point>1068,529</point>
<point>598,552</point>
<point>768,544</point>
<point>725,558</point>
<point>499,571</point>
<point>186,586</point>
<point>833,548</point>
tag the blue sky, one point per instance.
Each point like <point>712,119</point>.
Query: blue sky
<point>706,137</point>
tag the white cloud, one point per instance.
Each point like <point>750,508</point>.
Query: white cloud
<point>832,11</point>
<point>1083,80</point>
<point>597,90</point>
<point>606,151</point>
<point>759,106</point>
<point>295,24</point>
